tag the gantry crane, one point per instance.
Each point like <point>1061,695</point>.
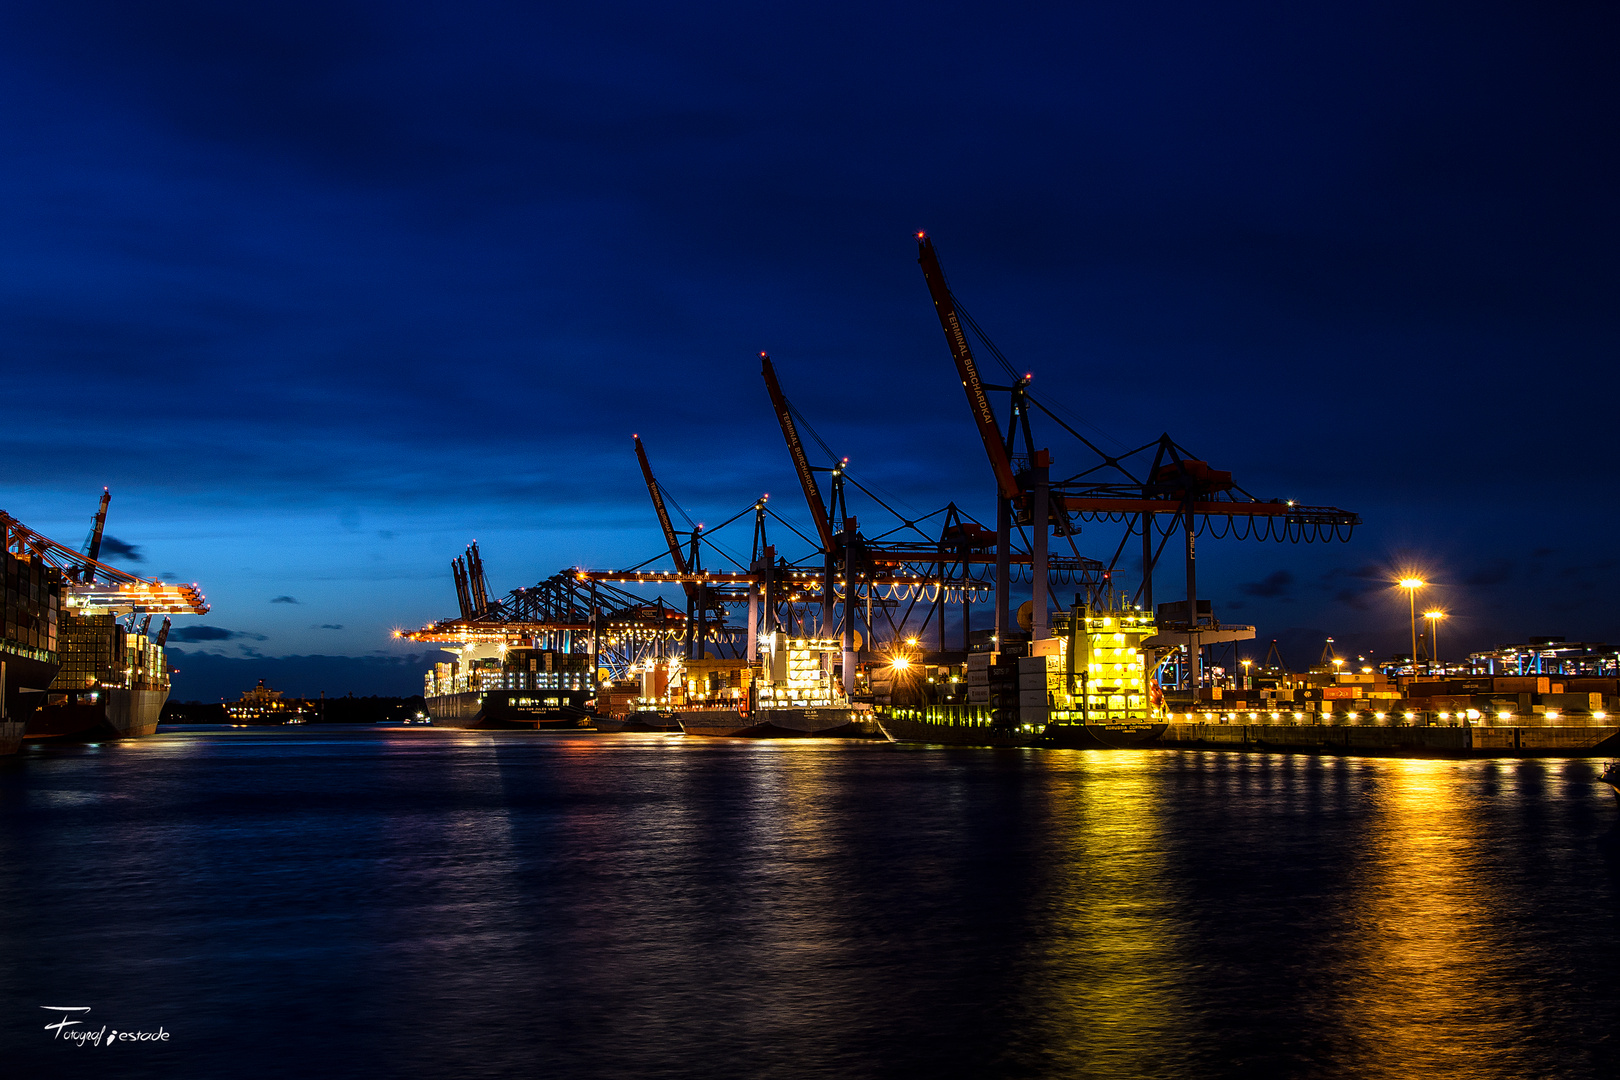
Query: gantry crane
<point>91,585</point>
<point>1175,485</point>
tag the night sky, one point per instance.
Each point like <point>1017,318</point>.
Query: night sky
<point>325,291</point>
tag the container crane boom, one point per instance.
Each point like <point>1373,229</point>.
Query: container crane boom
<point>664,523</point>
<point>978,394</point>
<point>801,463</point>
<point>94,550</point>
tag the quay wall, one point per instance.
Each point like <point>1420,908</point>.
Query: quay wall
<point>1402,740</point>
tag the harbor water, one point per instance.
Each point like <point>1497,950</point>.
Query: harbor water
<point>429,903</point>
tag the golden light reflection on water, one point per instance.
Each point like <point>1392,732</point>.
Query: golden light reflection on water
<point>1106,946</point>
<point>1428,986</point>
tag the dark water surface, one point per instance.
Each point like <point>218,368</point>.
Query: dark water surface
<point>425,903</point>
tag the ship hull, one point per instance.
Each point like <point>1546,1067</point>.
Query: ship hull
<point>497,711</point>
<point>1399,740</point>
<point>115,714</point>
<point>828,723</point>
<point>1102,736</point>
<point>26,680</point>
<point>955,734</point>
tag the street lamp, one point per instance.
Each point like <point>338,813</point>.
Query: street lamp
<point>1412,585</point>
<point>1434,618</point>
<point>1246,664</point>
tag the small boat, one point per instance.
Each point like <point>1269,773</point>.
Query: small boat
<point>642,721</point>
<point>1611,776</point>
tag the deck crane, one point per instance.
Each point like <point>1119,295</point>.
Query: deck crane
<point>1176,484</point>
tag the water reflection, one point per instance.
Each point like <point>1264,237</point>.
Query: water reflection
<point>1104,951</point>
<point>431,903</point>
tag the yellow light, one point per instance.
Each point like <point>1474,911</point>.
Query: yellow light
<point>1434,615</point>
<point>1411,583</point>
<point>1504,716</point>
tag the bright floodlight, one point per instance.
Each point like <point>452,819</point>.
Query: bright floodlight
<point>1412,583</point>
<point>900,663</point>
<point>1434,614</point>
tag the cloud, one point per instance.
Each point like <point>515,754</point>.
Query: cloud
<point>204,632</point>
<point>328,626</point>
<point>205,676</point>
<point>1354,598</point>
<point>111,546</point>
<point>284,600</point>
<point>1275,584</point>
<point>1490,574</point>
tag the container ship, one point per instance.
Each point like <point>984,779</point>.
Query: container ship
<point>76,663</point>
<point>112,683</point>
<point>1090,687</point>
<point>28,655</point>
<point>491,686</point>
<point>789,693</point>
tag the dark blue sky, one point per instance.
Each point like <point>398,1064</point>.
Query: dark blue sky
<point>324,291</point>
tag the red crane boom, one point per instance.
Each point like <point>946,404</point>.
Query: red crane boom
<point>801,463</point>
<point>977,393</point>
<point>664,523</point>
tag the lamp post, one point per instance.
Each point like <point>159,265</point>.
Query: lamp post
<point>1434,618</point>
<point>1412,585</point>
<point>1246,664</point>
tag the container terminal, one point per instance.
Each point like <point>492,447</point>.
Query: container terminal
<point>881,631</point>
<point>77,658</point>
